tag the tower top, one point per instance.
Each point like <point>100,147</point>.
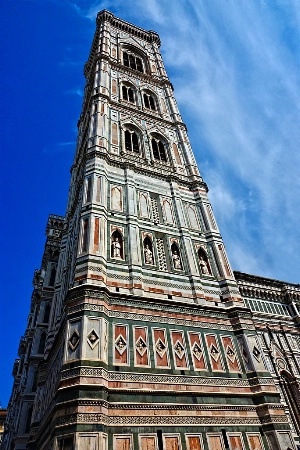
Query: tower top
<point>107,16</point>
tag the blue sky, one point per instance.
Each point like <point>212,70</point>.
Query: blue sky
<point>235,66</point>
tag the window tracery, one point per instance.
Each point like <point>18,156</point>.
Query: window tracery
<point>132,61</point>
<point>127,93</point>
<point>158,149</point>
<point>149,101</point>
<point>131,141</point>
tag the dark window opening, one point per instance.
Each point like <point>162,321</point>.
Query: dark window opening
<point>85,235</point>
<point>139,65</point>
<point>65,444</point>
<point>127,94</point>
<point>52,277</point>
<point>47,313</point>
<point>162,153</point>
<point>160,440</point>
<point>133,62</point>
<point>125,59</point>
<point>149,101</point>
<point>158,150</point>
<point>146,101</point>
<point>131,141</point>
<point>42,343</point>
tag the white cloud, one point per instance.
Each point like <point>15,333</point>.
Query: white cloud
<point>235,68</point>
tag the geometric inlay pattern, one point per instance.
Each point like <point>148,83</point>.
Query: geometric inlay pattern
<point>120,344</point>
<point>256,353</point>
<point>93,339</point>
<point>230,353</point>
<point>179,349</point>
<point>197,351</point>
<point>160,347</point>
<point>74,340</point>
<point>141,346</point>
<point>214,352</point>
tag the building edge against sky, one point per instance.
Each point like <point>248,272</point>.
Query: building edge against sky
<point>139,335</point>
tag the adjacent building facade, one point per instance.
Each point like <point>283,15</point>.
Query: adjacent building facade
<point>140,336</point>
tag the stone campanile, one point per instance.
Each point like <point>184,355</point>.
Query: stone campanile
<point>149,344</point>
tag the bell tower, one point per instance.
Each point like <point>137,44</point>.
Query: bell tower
<point>137,200</point>
<point>149,344</point>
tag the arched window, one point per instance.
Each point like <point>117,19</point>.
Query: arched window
<point>52,277</point>
<point>117,245</point>
<point>132,61</point>
<point>149,101</point>
<point>203,262</point>
<point>158,150</point>
<point>176,257</point>
<point>127,94</point>
<point>148,250</point>
<point>131,141</point>
<point>42,343</point>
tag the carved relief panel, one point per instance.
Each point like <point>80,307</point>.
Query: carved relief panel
<point>141,346</point>
<point>160,348</point>
<point>73,343</point>
<point>214,352</point>
<point>179,350</point>
<point>197,352</point>
<point>230,353</point>
<point>121,346</point>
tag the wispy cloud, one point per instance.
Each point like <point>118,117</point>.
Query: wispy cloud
<point>235,68</point>
<point>60,147</point>
<point>75,91</point>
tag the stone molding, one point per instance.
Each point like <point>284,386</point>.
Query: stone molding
<point>170,379</point>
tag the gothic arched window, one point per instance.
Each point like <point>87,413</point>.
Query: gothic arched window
<point>158,150</point>
<point>117,245</point>
<point>52,276</point>
<point>148,250</point>
<point>149,101</point>
<point>127,94</point>
<point>47,313</point>
<point>203,262</point>
<point>42,343</point>
<point>176,257</point>
<point>131,141</point>
<point>132,61</point>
